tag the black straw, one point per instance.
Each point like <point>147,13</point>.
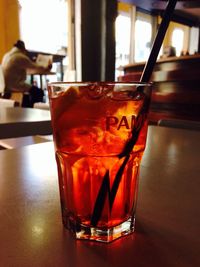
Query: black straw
<point>146,75</point>
<point>148,69</point>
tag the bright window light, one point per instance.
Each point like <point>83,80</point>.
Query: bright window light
<point>143,32</point>
<point>43,24</point>
<point>123,32</point>
<point>177,40</point>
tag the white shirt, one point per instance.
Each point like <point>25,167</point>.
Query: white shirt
<point>15,64</point>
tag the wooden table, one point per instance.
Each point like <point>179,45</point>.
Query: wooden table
<point>168,212</point>
<point>55,57</point>
<point>16,122</point>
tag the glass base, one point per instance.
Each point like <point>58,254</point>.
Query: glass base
<point>98,234</point>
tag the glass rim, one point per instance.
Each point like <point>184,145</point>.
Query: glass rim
<point>127,83</point>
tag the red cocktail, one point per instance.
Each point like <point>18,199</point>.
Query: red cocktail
<point>99,134</point>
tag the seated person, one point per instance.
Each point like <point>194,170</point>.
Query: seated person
<point>169,51</point>
<point>15,64</point>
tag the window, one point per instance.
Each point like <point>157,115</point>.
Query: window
<point>123,32</point>
<point>143,35</point>
<point>177,40</point>
<point>43,24</point>
<point>194,40</point>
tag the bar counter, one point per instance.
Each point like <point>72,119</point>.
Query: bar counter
<point>168,63</point>
<point>176,91</point>
<point>168,211</point>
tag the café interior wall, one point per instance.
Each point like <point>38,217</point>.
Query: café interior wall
<point>9,25</point>
<point>124,7</point>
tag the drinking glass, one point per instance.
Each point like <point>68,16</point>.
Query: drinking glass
<point>99,131</point>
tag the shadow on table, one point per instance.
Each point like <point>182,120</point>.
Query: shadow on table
<point>138,249</point>
<point>147,247</point>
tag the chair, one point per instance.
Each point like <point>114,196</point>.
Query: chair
<point>183,124</point>
<point>17,97</point>
<point>2,82</point>
<point>6,103</point>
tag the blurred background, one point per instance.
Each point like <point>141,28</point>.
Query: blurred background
<point>104,34</point>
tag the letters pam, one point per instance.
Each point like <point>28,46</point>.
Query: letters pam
<point>118,123</point>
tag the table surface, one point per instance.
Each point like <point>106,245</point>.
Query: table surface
<point>167,219</point>
<point>17,121</point>
<point>42,72</point>
<point>56,57</point>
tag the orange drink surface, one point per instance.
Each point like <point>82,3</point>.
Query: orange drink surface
<point>92,126</point>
